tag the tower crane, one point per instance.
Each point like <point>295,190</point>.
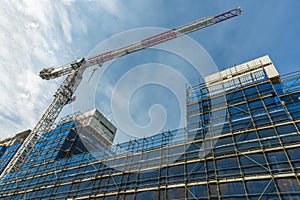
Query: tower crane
<point>75,70</point>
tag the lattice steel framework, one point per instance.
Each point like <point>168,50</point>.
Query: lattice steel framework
<point>255,157</point>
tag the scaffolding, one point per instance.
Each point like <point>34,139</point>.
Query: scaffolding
<point>255,156</point>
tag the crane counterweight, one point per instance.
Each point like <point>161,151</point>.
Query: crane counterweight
<point>52,73</point>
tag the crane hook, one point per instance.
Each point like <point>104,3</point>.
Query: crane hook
<point>95,69</point>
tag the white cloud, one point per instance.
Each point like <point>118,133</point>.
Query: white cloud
<point>34,35</point>
<point>112,7</point>
<point>65,22</point>
<point>26,37</point>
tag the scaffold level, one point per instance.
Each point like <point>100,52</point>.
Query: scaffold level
<point>242,141</point>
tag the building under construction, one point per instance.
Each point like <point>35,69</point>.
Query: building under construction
<point>242,141</point>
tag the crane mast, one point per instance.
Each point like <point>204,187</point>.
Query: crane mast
<point>75,70</point>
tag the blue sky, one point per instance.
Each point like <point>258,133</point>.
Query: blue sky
<point>38,34</point>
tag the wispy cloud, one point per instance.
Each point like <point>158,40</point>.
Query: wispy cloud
<point>33,35</point>
<point>37,34</point>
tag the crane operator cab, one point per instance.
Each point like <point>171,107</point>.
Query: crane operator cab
<point>51,72</point>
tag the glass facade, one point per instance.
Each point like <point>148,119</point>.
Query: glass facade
<point>242,141</point>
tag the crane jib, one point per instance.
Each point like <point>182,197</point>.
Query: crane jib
<point>52,73</point>
<point>162,37</point>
